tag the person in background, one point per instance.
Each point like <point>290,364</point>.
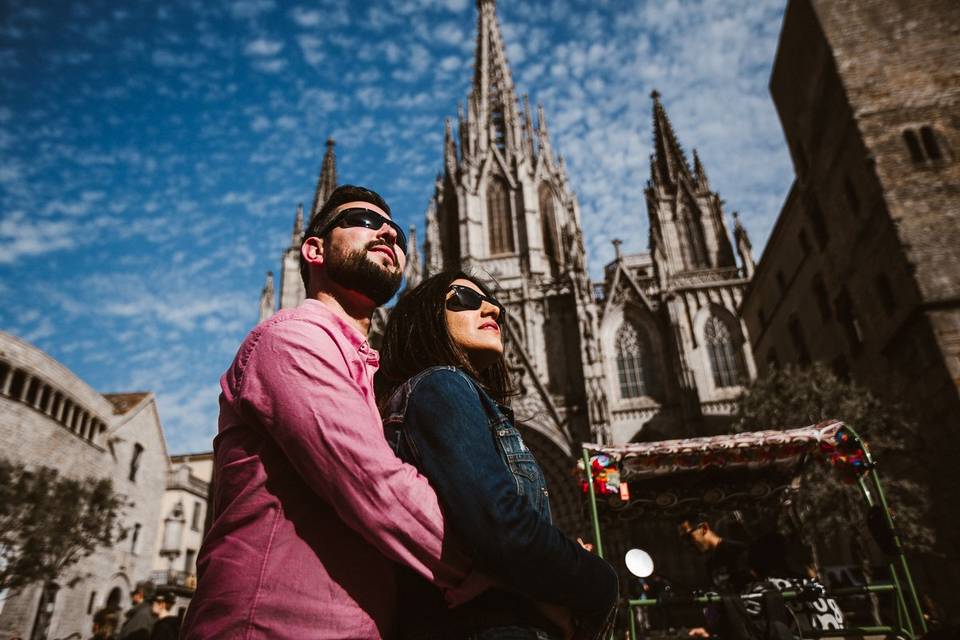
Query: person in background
<point>139,618</point>
<point>167,626</point>
<point>727,565</point>
<point>105,624</point>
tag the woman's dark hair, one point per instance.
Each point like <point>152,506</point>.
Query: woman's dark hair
<point>416,338</point>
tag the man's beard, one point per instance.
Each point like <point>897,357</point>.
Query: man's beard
<point>355,271</point>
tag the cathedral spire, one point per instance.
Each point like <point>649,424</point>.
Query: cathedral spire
<point>669,161</point>
<point>327,181</point>
<point>492,97</point>
<point>297,234</point>
<point>744,248</point>
<point>266,298</point>
<point>449,148</point>
<point>699,173</point>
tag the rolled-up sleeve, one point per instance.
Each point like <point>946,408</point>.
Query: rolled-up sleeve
<point>511,541</point>
<point>297,384</point>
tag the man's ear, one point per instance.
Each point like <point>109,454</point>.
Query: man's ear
<point>312,250</point>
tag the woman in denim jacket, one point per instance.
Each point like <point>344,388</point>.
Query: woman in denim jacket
<point>444,383</point>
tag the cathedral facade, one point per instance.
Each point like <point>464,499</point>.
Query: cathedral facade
<point>657,350</point>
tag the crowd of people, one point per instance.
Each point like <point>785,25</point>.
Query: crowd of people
<point>151,617</point>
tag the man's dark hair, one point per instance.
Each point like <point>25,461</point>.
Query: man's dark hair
<point>341,195</point>
<point>416,337</point>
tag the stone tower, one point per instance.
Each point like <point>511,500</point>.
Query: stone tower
<point>503,209</point>
<point>291,285</point>
<point>674,348</point>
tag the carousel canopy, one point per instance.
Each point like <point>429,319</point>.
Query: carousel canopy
<point>774,450</point>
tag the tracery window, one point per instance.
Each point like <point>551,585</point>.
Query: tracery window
<point>548,222</point>
<point>498,217</point>
<point>636,368</point>
<point>724,353</point>
<point>693,248</point>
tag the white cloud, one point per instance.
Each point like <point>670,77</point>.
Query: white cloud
<point>306,17</point>
<point>312,49</point>
<point>270,65</point>
<point>263,47</point>
<point>22,237</point>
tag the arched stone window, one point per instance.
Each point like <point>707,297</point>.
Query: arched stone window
<point>548,225</point>
<point>498,217</point>
<point>694,247</point>
<point>724,351</point>
<point>636,366</point>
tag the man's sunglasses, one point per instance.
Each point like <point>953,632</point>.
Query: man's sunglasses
<point>466,299</point>
<point>365,218</point>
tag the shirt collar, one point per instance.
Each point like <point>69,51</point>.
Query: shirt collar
<point>349,330</point>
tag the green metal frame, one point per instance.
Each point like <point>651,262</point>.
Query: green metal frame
<point>910,618</point>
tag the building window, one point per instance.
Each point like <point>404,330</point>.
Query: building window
<point>781,282</point>
<point>693,245</point>
<point>636,369</point>
<point>930,145</point>
<point>498,217</point>
<point>819,224</point>
<point>840,367</point>
<point>821,296</point>
<point>135,539</point>
<point>723,352</point>
<point>885,291</point>
<point>913,145</point>
<point>847,316</point>
<point>16,384</point>
<point>91,602</point>
<point>853,200</point>
<point>799,343</point>
<point>925,147</point>
<point>135,461</point>
<point>772,360</point>
<point>804,242</point>
<point>548,225</point>
<point>195,519</point>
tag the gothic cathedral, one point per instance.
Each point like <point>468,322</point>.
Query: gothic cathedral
<point>656,351</point>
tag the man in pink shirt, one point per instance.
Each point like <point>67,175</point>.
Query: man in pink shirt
<point>311,506</point>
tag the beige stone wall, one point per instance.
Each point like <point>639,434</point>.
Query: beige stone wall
<point>31,433</point>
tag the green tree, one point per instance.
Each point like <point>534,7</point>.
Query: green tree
<point>48,522</point>
<point>792,397</point>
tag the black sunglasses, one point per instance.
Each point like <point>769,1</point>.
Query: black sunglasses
<point>466,299</point>
<point>365,218</point>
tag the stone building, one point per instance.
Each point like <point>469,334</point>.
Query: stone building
<point>50,417</point>
<point>183,522</point>
<point>862,269</point>
<point>656,350</point>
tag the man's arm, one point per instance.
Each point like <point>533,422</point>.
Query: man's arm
<point>297,385</point>
<point>512,542</point>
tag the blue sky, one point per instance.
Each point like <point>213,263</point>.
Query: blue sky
<point>154,153</point>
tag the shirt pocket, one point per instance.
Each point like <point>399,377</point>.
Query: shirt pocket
<point>527,475</point>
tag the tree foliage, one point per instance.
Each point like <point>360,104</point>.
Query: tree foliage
<point>48,522</point>
<point>794,396</point>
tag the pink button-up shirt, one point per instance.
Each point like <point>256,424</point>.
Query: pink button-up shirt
<point>311,506</point>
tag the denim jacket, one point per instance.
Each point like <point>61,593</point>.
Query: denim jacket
<point>495,498</point>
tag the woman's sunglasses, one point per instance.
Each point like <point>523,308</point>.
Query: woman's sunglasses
<point>466,299</point>
<point>365,218</point>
